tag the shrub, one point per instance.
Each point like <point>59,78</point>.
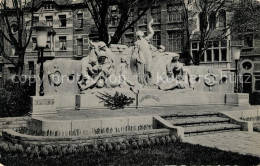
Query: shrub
<point>19,148</point>
<point>168,139</point>
<point>118,101</point>
<point>109,147</point>
<point>174,138</point>
<point>15,102</point>
<point>4,146</point>
<point>152,141</point>
<point>140,143</point>
<point>147,143</point>
<point>157,141</point>
<point>117,147</point>
<point>102,148</point>
<point>123,146</point>
<point>163,141</point>
<point>44,151</point>
<point>86,149</point>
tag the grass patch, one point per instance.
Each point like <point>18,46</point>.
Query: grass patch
<point>177,153</point>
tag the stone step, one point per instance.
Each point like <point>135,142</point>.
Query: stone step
<point>195,130</point>
<point>198,121</point>
<point>190,115</point>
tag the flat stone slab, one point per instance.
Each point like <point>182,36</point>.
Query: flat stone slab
<point>236,141</point>
<point>218,127</point>
<point>190,121</point>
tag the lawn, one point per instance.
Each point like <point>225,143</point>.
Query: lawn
<point>177,153</point>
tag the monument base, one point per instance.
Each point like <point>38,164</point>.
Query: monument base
<point>153,98</point>
<point>43,105</point>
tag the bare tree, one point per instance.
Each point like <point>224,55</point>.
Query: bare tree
<point>15,30</point>
<point>206,11</point>
<point>100,12</point>
<point>246,20</point>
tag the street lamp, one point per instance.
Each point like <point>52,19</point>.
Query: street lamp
<point>236,51</point>
<point>41,37</point>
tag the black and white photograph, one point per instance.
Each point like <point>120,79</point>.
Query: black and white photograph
<point>129,82</point>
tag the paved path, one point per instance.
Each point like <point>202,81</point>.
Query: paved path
<point>237,141</point>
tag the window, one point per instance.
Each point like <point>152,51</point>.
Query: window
<point>224,54</point>
<point>249,40</point>
<point>216,51</point>
<point>222,19</point>
<point>13,50</point>
<point>80,47</point>
<point>156,14</point>
<point>35,20</point>
<point>129,40</point>
<point>63,43</point>
<point>216,55</point>
<point>212,20</point>
<point>209,55</point>
<point>48,45</point>
<point>31,67</point>
<point>257,82</point>
<point>156,40</point>
<point>34,42</point>
<point>80,20</point>
<point>63,20</point>
<point>12,70</point>
<point>49,21</point>
<point>131,17</point>
<point>113,20</point>
<point>48,7</point>
<point>143,19</point>
<point>175,41</point>
<point>174,13</point>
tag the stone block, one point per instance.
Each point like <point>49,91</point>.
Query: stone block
<point>237,99</point>
<point>43,105</point>
<point>66,102</point>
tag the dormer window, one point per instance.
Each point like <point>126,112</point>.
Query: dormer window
<point>48,6</point>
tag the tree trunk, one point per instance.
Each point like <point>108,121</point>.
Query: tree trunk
<point>20,68</point>
<point>116,38</point>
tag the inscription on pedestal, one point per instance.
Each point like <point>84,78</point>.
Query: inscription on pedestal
<point>44,102</point>
<point>149,97</point>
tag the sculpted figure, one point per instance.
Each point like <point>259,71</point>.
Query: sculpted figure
<point>143,55</point>
<point>177,76</point>
<point>91,73</point>
<point>126,77</point>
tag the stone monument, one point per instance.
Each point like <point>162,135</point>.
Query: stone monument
<point>149,74</point>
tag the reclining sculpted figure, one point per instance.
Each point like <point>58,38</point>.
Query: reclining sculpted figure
<point>177,77</point>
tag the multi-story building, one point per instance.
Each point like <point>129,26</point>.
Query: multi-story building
<point>71,25</point>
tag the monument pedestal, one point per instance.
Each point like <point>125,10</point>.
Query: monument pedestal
<point>154,98</point>
<point>43,105</point>
<point>237,99</point>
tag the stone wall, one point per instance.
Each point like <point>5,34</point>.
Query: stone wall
<point>15,137</point>
<point>13,123</point>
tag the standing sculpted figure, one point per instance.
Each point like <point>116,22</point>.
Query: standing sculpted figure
<point>143,55</point>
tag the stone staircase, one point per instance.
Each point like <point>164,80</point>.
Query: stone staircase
<point>201,123</point>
